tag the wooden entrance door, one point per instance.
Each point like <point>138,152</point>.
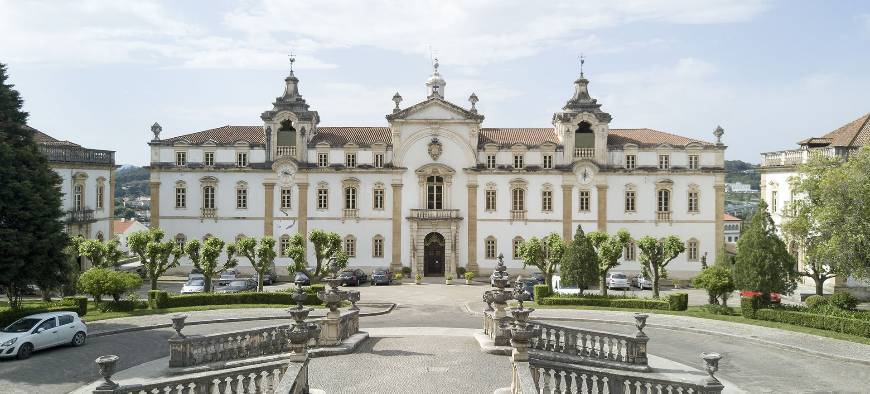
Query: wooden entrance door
<point>433,255</point>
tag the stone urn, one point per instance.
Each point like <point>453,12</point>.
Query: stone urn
<point>107,369</point>
<point>178,324</point>
<point>353,296</point>
<point>711,365</point>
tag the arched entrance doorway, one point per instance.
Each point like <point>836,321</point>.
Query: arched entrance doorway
<point>433,255</point>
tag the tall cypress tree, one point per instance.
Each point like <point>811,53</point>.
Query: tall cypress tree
<point>31,232</point>
<point>579,263</point>
<point>763,262</point>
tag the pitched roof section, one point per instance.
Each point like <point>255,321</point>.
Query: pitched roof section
<point>223,135</point>
<point>45,139</point>
<point>853,134</point>
<point>408,111</point>
<point>648,137</point>
<point>731,218</point>
<point>362,136</point>
<point>528,136</point>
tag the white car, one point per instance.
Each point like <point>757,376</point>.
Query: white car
<point>642,282</point>
<point>194,285</point>
<point>41,331</point>
<point>616,280</point>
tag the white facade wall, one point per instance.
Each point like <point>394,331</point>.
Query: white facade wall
<point>91,179</point>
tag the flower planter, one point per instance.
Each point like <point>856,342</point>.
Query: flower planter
<point>468,281</point>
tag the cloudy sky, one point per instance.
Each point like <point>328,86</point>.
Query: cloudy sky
<point>99,73</point>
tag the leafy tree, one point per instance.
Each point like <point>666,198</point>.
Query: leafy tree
<point>156,256</point>
<point>579,263</point>
<point>718,280</point>
<point>544,253</point>
<point>763,264</point>
<point>101,254</point>
<point>261,255</point>
<point>122,282</point>
<point>205,257</point>
<point>98,282</point>
<point>327,245</point>
<point>608,249</point>
<point>655,255</point>
<point>31,230</point>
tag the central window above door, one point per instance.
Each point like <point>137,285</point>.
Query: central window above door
<point>434,192</point>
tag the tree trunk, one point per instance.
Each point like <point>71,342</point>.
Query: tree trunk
<point>259,281</point>
<point>655,278</point>
<point>207,284</point>
<point>819,285</point>
<point>602,283</point>
<point>153,282</point>
<point>46,295</point>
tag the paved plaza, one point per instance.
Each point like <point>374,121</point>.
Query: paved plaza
<point>425,345</point>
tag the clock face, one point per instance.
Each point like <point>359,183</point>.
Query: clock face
<point>585,176</point>
<point>286,174</point>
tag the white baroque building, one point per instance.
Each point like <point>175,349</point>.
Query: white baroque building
<point>88,186</point>
<point>435,190</point>
<point>778,167</point>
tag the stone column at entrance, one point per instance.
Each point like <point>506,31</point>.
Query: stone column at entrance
<point>268,208</point>
<point>602,207</point>
<point>396,242</point>
<point>302,218</point>
<point>155,204</point>
<point>472,228</point>
<point>567,211</point>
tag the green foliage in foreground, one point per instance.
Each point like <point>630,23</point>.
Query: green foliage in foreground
<point>820,317</point>
<point>673,302</point>
<point>162,299</point>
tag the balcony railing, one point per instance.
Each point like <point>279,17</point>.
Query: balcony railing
<point>518,215</point>
<point>434,214</point>
<point>584,153</point>
<point>287,151</point>
<point>663,216</point>
<point>80,216</point>
<point>795,157</point>
<point>210,213</point>
<point>350,213</point>
<point>76,154</point>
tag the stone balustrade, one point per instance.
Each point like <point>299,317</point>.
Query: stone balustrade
<point>589,347</point>
<point>348,324</point>
<point>206,349</point>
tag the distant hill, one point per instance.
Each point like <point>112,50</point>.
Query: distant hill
<point>743,172</point>
<point>132,181</point>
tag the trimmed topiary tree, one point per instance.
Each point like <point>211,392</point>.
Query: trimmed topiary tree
<point>718,281</point>
<point>655,254</point>
<point>843,300</point>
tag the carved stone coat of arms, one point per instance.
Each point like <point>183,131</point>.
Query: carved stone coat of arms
<point>435,148</point>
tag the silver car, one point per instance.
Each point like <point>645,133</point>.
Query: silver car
<point>41,331</point>
<point>616,280</point>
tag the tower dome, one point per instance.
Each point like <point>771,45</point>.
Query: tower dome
<point>435,84</point>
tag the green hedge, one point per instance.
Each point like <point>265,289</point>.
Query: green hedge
<point>749,306</point>
<point>541,291</point>
<point>162,300</point>
<point>823,322</point>
<point>122,305</point>
<point>8,316</point>
<point>678,301</point>
<point>636,303</point>
<point>80,302</point>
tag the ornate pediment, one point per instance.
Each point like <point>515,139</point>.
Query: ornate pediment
<point>435,108</point>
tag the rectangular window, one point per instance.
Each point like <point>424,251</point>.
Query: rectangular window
<point>181,158</point>
<point>350,160</point>
<point>78,195</point>
<point>181,197</point>
<point>322,198</point>
<point>516,248</point>
<point>583,204</point>
<point>378,199</point>
<point>490,248</point>
<point>350,247</point>
<point>773,196</point>
<point>548,162</point>
<point>350,198</point>
<point>692,250</point>
<point>629,253</point>
<point>490,162</point>
<point>242,159</point>
<point>694,162</point>
<point>664,162</point>
<point>630,200</point>
<point>285,244</point>
<point>323,159</point>
<point>490,200</point>
<point>664,200</point>
<point>241,198</point>
<point>100,196</point>
<point>547,200</point>
<point>379,160</point>
<point>519,199</point>
<point>208,197</point>
<point>630,162</point>
<point>209,159</point>
<point>693,202</point>
<point>378,247</point>
<point>286,198</point>
<point>518,161</point>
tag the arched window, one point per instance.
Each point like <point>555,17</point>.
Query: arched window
<point>283,245</point>
<point>240,237</point>
<point>207,236</point>
<point>378,246</point>
<point>180,240</point>
<point>286,139</point>
<point>101,192</point>
<point>584,140</point>
<point>692,250</point>
<point>350,246</point>
<point>434,192</point>
<point>517,241</point>
<point>490,248</point>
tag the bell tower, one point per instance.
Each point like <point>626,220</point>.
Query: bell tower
<point>582,126</point>
<point>290,123</point>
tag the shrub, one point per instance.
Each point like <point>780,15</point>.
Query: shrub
<point>163,300</point>
<point>678,301</point>
<point>717,309</point>
<point>81,304</point>
<point>398,276</point>
<point>605,301</point>
<point>406,271</point>
<point>749,306</point>
<point>123,306</point>
<point>469,275</point>
<point>717,280</point>
<point>100,281</point>
<point>812,320</point>
<point>815,301</point>
<point>152,297</point>
<point>460,272</point>
<point>843,300</point>
<point>541,291</point>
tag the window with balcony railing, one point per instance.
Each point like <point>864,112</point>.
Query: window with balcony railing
<point>286,151</point>
<point>518,215</point>
<point>584,153</point>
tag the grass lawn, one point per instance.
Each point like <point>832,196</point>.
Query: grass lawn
<point>699,312</point>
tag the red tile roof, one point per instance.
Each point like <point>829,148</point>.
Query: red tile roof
<point>508,136</point>
<point>45,139</point>
<point>121,226</point>
<point>853,134</point>
<point>730,218</point>
<point>648,137</point>
<point>362,136</point>
<point>224,135</point>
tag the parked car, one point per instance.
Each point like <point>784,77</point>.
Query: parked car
<point>134,268</point>
<point>41,331</point>
<point>237,285</point>
<point>616,280</point>
<point>641,282</point>
<point>301,279</point>
<point>194,285</point>
<point>528,286</point>
<point>382,276</point>
<point>561,288</point>
<point>498,275</point>
<point>227,277</point>
<point>539,276</point>
<point>775,298</point>
<point>354,276</point>
<point>270,278</point>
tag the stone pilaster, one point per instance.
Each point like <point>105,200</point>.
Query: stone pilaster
<point>111,206</point>
<point>720,217</point>
<point>472,228</point>
<point>602,207</point>
<point>396,241</point>
<point>302,217</point>
<point>268,208</point>
<point>567,211</point>
<point>155,204</point>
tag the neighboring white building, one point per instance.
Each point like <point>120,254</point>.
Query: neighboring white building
<point>738,187</point>
<point>88,185</point>
<point>123,228</point>
<point>733,226</point>
<point>778,167</point>
<point>435,190</point>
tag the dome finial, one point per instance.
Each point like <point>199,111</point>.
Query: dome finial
<point>582,61</point>
<point>435,84</point>
<point>292,60</point>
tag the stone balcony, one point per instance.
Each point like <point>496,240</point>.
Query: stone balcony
<point>80,216</point>
<point>435,214</point>
<point>208,213</point>
<point>584,153</point>
<point>794,157</point>
<point>518,215</point>
<point>350,213</point>
<point>76,154</point>
<point>286,151</point>
<point>663,216</point>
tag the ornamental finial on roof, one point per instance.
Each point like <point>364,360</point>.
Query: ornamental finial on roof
<point>292,60</point>
<point>435,65</point>
<point>718,134</point>
<point>582,60</point>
